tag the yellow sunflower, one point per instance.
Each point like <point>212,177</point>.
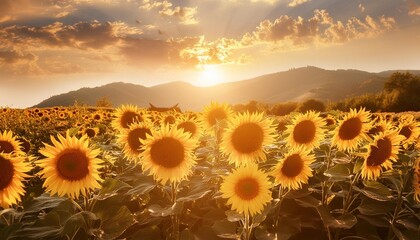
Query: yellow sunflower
<point>168,154</point>
<point>380,126</point>
<point>130,139</point>
<point>9,143</point>
<point>416,180</point>
<point>306,130</point>
<point>352,130</point>
<point>247,190</point>
<point>71,167</point>
<point>126,115</point>
<point>189,125</point>
<point>12,174</point>
<point>246,136</point>
<point>381,152</point>
<point>293,169</point>
<point>91,132</point>
<point>216,112</point>
<point>410,129</point>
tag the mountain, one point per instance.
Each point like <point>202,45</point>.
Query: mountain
<point>293,85</point>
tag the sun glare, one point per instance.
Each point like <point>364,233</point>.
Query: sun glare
<point>209,76</point>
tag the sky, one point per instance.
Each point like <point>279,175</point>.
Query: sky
<point>49,47</point>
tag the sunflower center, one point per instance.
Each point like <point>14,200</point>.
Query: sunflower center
<point>216,115</point>
<point>167,152</point>
<point>90,132</point>
<point>129,117</point>
<point>169,119</point>
<point>304,132</point>
<point>248,138</point>
<point>6,147</point>
<point>406,131</point>
<point>350,129</point>
<point>188,127</point>
<point>375,130</point>
<point>6,173</point>
<point>292,166</point>
<point>247,188</point>
<point>381,153</point>
<point>134,137</point>
<point>72,165</point>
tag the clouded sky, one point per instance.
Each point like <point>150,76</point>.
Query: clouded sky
<point>49,47</point>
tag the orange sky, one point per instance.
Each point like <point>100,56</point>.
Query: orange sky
<point>49,47</point>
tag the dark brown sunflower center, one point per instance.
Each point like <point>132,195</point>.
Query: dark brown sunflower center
<point>406,132</point>
<point>6,173</point>
<point>169,120</point>
<point>134,137</point>
<point>350,129</point>
<point>217,114</point>
<point>247,188</point>
<point>90,132</point>
<point>6,147</point>
<point>167,152</point>
<point>188,127</point>
<point>247,138</point>
<point>72,165</point>
<point>97,117</point>
<point>292,166</point>
<point>304,132</point>
<point>375,130</point>
<point>128,118</point>
<point>381,153</point>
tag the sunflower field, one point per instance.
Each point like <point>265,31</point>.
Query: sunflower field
<point>130,173</point>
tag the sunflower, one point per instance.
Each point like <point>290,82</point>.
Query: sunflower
<point>91,132</point>
<point>126,115</point>
<point>352,129</point>
<point>245,138</point>
<point>12,172</point>
<point>306,130</point>
<point>216,112</point>
<point>168,154</point>
<point>9,143</point>
<point>416,180</point>
<point>70,166</point>
<point>247,189</point>
<point>410,129</point>
<point>293,169</point>
<point>381,152</point>
<point>189,125</point>
<point>130,139</point>
<point>380,126</point>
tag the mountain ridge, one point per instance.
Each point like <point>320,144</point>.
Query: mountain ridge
<point>296,84</point>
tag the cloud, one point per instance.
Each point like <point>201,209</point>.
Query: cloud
<point>413,8</point>
<point>289,32</point>
<point>186,15</point>
<point>13,61</point>
<point>82,35</point>
<point>295,3</point>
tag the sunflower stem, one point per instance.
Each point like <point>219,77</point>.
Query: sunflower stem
<point>247,226</point>
<point>175,217</point>
<point>399,201</point>
<point>5,219</point>
<point>76,204</point>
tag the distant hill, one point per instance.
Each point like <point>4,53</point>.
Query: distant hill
<point>293,85</point>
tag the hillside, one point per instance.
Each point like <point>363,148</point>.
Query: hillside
<point>293,85</point>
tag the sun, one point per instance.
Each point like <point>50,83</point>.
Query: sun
<point>210,75</point>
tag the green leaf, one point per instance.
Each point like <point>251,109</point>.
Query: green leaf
<point>233,216</point>
<point>377,221</point>
<point>114,223</point>
<point>346,221</point>
<point>369,206</point>
<point>111,187</point>
<point>158,211</point>
<point>261,233</point>
<point>338,172</point>
<point>144,184</point>
<point>341,158</point>
<point>82,220</point>
<point>358,164</point>
<point>224,227</point>
<point>375,190</point>
<point>150,232</point>
<point>308,201</point>
<point>43,202</point>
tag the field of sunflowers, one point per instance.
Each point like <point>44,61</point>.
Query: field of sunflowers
<point>130,173</point>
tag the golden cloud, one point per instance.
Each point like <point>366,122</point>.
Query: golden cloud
<point>295,3</point>
<point>186,15</point>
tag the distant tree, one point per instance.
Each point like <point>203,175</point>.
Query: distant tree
<point>312,104</point>
<point>104,102</point>
<point>282,109</point>
<point>402,92</point>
